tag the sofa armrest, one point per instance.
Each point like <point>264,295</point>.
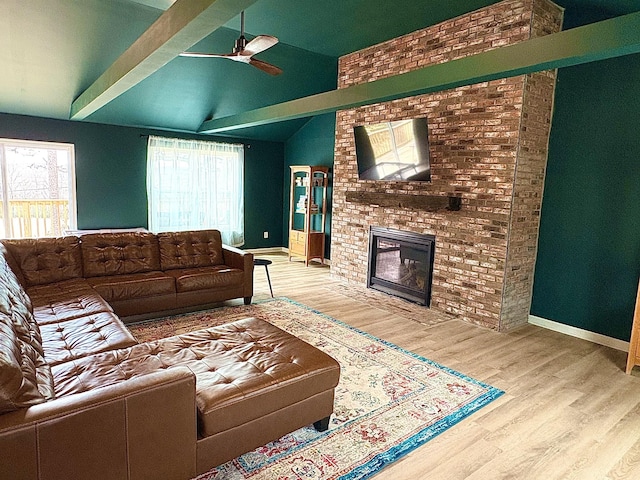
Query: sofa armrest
<point>236,258</point>
<point>142,428</point>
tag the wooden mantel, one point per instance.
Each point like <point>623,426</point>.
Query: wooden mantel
<point>430,203</point>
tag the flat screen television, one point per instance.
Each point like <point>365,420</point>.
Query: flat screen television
<point>397,150</point>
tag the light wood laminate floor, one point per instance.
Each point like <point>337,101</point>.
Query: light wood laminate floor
<point>568,412</point>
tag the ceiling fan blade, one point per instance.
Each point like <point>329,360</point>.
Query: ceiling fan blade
<point>265,67</point>
<point>205,55</point>
<point>259,44</point>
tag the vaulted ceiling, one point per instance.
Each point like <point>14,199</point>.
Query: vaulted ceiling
<point>51,51</point>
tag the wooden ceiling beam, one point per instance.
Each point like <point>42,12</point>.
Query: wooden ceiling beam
<point>598,41</point>
<point>177,29</point>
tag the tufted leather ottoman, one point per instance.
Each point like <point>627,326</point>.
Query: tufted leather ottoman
<point>254,382</point>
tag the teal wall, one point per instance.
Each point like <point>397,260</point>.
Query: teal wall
<point>311,145</point>
<point>589,248</point>
<point>263,204</point>
<point>111,174</point>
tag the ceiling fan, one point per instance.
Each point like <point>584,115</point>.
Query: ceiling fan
<point>244,51</point>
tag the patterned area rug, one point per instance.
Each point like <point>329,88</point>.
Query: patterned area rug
<point>389,401</point>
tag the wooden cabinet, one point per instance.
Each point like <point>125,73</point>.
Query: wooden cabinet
<point>307,212</point>
<point>633,358</point>
<point>297,243</point>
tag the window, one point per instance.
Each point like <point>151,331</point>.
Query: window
<point>37,189</point>
<point>196,185</point>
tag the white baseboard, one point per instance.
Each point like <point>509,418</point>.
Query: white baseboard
<point>580,333</point>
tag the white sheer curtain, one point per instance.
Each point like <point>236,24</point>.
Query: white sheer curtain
<point>195,185</point>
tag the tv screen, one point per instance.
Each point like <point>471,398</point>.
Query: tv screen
<point>396,150</point>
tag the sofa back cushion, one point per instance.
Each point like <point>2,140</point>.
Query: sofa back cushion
<point>11,282</point>
<point>12,263</point>
<point>196,248</point>
<point>46,260</point>
<point>119,253</point>
<point>16,305</point>
<point>25,378</point>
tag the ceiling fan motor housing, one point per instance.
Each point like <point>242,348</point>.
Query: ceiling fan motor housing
<point>240,44</point>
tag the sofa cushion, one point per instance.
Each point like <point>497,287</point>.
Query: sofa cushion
<point>79,337</point>
<point>192,279</point>
<point>139,285</point>
<point>244,370</point>
<point>51,305</point>
<point>25,378</point>
<point>59,310</point>
<point>198,248</point>
<point>105,254</point>
<point>59,290</point>
<point>46,260</point>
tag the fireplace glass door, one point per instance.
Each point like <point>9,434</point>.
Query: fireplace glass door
<point>401,263</point>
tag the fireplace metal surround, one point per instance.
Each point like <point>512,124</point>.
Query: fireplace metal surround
<point>401,263</point>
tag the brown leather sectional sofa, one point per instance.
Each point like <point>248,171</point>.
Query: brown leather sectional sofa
<point>80,398</point>
<point>136,273</point>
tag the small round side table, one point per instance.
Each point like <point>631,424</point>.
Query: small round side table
<point>266,263</point>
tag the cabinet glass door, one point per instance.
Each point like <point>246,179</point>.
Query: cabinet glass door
<point>317,206</point>
<point>300,199</point>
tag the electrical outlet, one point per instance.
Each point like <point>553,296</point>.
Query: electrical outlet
<point>266,234</point>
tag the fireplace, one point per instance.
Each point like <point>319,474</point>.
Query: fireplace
<point>401,263</point>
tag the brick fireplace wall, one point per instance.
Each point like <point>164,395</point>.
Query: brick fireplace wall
<point>488,145</point>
